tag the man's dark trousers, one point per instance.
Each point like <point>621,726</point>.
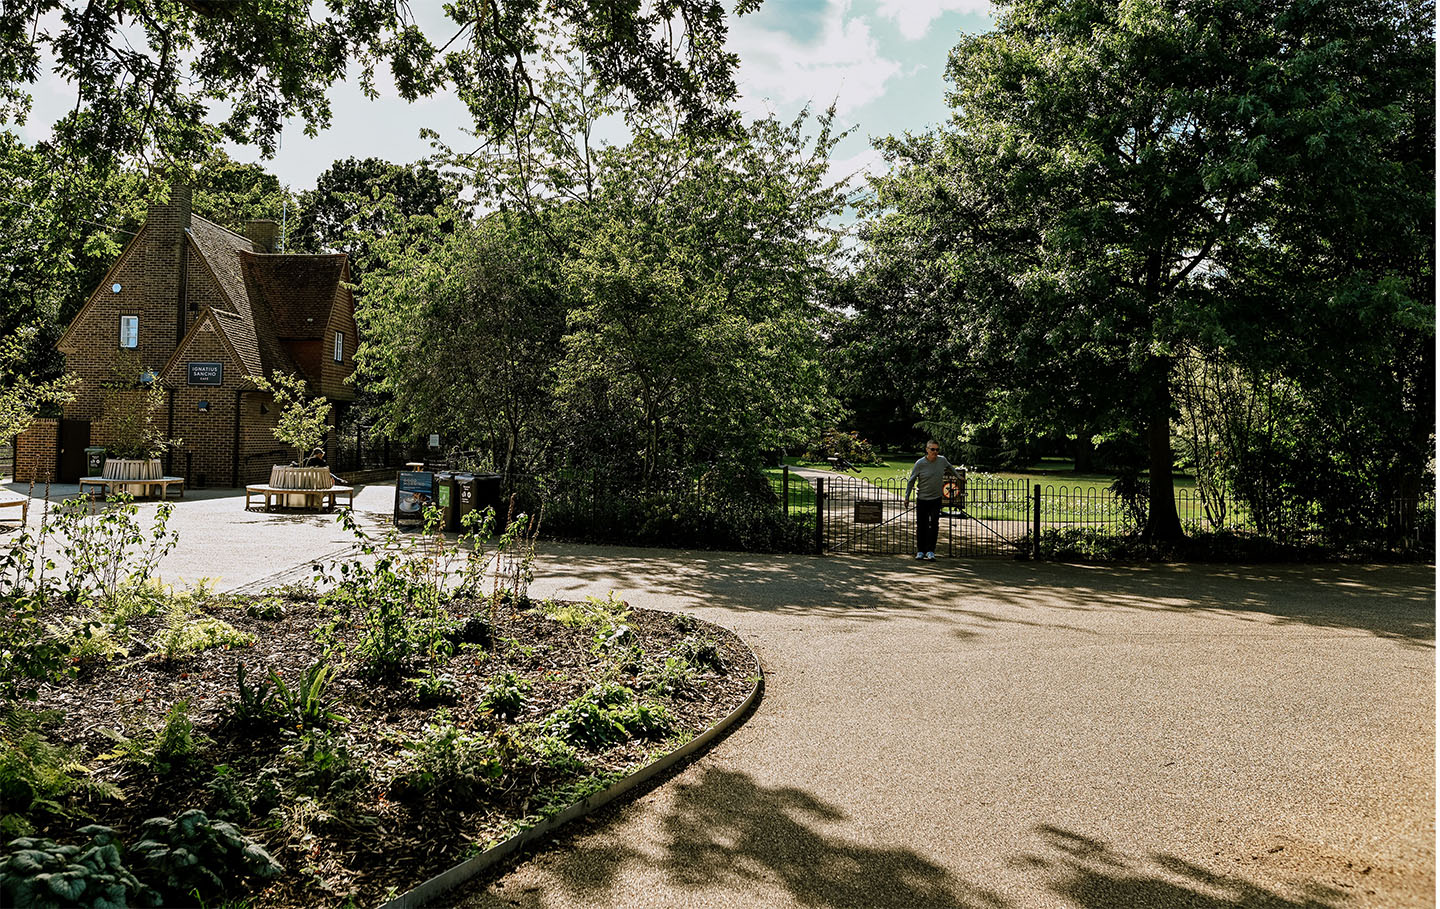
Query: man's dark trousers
<point>927,524</point>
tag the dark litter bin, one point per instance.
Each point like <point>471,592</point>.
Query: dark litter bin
<point>464,497</point>
<point>447,498</point>
<point>487,495</point>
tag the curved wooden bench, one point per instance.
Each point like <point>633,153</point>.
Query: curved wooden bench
<point>319,496</point>
<point>107,484</point>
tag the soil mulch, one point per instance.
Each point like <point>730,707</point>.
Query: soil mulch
<point>347,829</point>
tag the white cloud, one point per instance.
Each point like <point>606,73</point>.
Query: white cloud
<point>842,63</point>
<point>913,17</point>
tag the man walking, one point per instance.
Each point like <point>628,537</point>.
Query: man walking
<point>929,475</point>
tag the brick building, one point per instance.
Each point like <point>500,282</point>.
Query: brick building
<point>202,311</point>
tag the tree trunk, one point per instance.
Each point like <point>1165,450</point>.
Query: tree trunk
<point>1162,521</point>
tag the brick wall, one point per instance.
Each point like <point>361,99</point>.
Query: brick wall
<point>207,437</point>
<point>36,451</point>
<point>332,374</point>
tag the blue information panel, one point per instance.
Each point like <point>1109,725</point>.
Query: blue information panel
<point>414,492</point>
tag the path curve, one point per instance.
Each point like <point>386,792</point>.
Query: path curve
<point>994,734</point>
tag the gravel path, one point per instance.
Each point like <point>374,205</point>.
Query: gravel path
<point>1001,734</point>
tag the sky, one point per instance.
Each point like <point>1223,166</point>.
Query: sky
<point>882,63</point>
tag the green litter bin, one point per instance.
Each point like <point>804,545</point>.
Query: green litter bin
<point>447,499</point>
<point>94,462</point>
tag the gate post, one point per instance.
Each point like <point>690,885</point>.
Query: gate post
<point>785,488</point>
<point>819,515</point>
<point>1035,528</point>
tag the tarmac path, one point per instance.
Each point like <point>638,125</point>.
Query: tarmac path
<point>992,733</point>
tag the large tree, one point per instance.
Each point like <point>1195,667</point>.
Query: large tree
<point>146,72</point>
<point>1122,180</point>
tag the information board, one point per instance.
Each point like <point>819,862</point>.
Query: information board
<point>414,490</point>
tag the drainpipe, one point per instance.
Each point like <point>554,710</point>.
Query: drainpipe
<point>235,452</point>
<point>170,434</point>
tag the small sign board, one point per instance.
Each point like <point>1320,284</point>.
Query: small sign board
<point>414,490</point>
<point>869,511</point>
<point>205,374</point>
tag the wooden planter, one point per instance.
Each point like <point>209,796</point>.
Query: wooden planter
<point>283,477</point>
<point>133,469</point>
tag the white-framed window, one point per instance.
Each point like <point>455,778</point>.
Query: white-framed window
<point>129,331</point>
<point>339,346</point>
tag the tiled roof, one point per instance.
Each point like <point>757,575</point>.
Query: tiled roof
<point>219,247</point>
<point>297,290</point>
<point>268,297</point>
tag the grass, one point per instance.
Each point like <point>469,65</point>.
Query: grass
<point>1067,496</point>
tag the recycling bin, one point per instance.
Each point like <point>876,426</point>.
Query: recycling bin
<point>464,497</point>
<point>447,499</point>
<point>94,461</point>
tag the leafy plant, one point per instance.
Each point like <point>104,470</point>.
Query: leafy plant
<point>38,777</point>
<point>606,714</point>
<point>38,874</point>
<point>304,420</point>
<point>447,760</point>
<point>274,704</point>
<point>167,749</point>
<point>183,636</point>
<point>111,555</point>
<point>505,695</point>
<point>193,857</point>
<point>432,688</point>
<point>134,416</point>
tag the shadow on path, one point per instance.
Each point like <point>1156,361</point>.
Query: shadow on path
<point>1390,601</point>
<point>732,841</point>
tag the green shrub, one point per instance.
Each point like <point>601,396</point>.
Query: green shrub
<point>111,555</point>
<point>193,858</point>
<point>183,636</point>
<point>433,689</point>
<point>847,445</point>
<point>272,704</point>
<point>168,749</point>
<point>605,715</point>
<point>505,695</point>
<point>38,874</point>
<point>448,761</point>
<point>38,777</point>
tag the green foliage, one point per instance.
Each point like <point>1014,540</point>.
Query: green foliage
<point>505,695</point>
<point>238,799</point>
<point>134,417</point>
<point>1123,187</point>
<point>303,420</point>
<point>396,592</point>
<point>183,636</point>
<point>39,778</point>
<point>606,714</point>
<point>171,748</point>
<point>432,688</point>
<point>846,445</point>
<point>447,761</point>
<point>272,704</point>
<point>269,608</point>
<point>604,615</point>
<point>38,874</point>
<point>22,398</point>
<point>193,857</point>
<point>111,554</point>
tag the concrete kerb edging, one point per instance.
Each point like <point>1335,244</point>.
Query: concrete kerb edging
<point>463,872</point>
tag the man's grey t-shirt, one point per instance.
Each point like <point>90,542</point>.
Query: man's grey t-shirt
<point>928,478</point>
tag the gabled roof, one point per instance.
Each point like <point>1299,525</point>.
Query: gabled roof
<point>219,247</point>
<point>297,290</point>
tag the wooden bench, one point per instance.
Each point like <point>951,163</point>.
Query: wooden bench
<point>317,496</point>
<point>107,485</point>
<point>11,500</point>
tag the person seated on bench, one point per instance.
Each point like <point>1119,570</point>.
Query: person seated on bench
<point>317,459</point>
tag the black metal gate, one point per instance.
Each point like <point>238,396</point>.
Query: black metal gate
<point>979,517</point>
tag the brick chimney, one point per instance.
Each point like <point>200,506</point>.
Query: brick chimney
<point>263,234</point>
<point>164,259</point>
